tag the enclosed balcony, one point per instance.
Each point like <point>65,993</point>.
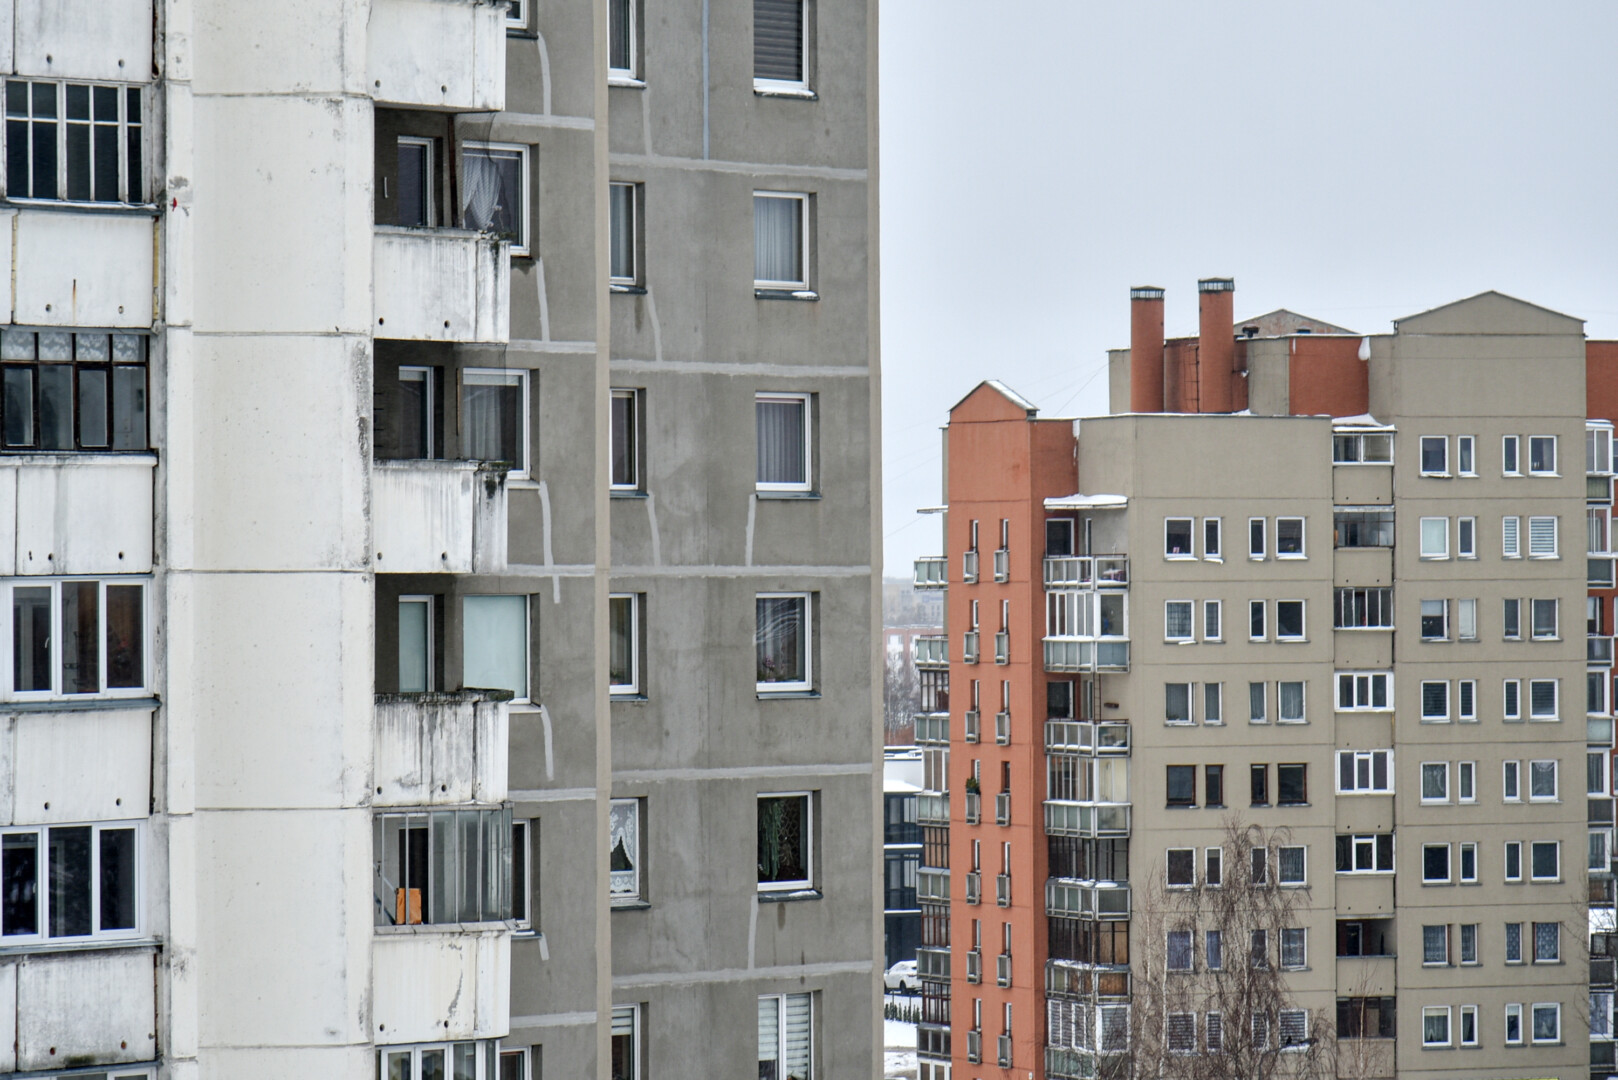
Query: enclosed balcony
<point>76,513</point>
<point>1086,571</point>
<point>1075,655</point>
<point>441,284</point>
<point>932,572</point>
<point>441,748</point>
<point>1086,737</point>
<point>1066,817</point>
<point>82,269</point>
<point>1598,650</point>
<point>932,809</point>
<point>932,729</point>
<point>78,1008</point>
<point>438,54</point>
<point>932,963</point>
<point>1087,899</point>
<point>1086,630</point>
<point>932,652</point>
<point>439,517</point>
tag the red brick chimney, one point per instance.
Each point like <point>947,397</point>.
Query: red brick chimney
<point>1145,349</point>
<point>1216,344</point>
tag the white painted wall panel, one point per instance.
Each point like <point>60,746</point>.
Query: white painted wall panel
<point>89,1008</point>
<point>420,52</point>
<point>8,1016</point>
<point>84,39</point>
<point>422,980</point>
<point>82,514</point>
<point>83,269</point>
<point>440,749</point>
<point>8,519</point>
<point>81,766</point>
<point>422,516</point>
<point>441,285</point>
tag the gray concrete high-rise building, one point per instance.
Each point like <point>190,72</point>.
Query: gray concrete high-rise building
<point>440,439</point>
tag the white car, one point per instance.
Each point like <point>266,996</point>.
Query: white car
<point>901,976</point>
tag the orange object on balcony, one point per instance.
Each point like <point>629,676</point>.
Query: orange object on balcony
<point>406,906</point>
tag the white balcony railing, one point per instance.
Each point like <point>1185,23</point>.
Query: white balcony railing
<point>442,748</point>
<point>1086,571</point>
<point>438,54</point>
<point>1002,728</point>
<point>438,517</point>
<point>932,572</point>
<point>441,284</point>
<point>932,651</point>
<point>1086,737</point>
<point>1087,899</point>
<point>1086,654</point>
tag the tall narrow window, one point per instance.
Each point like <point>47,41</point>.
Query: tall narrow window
<point>625,1043</point>
<point>415,644</point>
<point>1510,538</point>
<point>494,191</point>
<point>624,632</point>
<point>783,442</point>
<point>74,141</point>
<point>622,47</point>
<point>785,1036</point>
<point>1211,546</point>
<point>1509,463</point>
<point>780,229</point>
<point>417,391</point>
<point>40,372</point>
<point>626,440</point>
<point>413,205</point>
<point>623,846</point>
<point>624,268</point>
<point>495,643</point>
<point>784,842</point>
<point>1255,538</point>
<point>780,45</point>
<point>782,642</point>
<point>494,417</point>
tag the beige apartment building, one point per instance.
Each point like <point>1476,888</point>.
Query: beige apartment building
<point>1315,584</point>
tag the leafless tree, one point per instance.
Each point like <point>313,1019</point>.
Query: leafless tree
<point>901,697</point>
<point>1229,1016</point>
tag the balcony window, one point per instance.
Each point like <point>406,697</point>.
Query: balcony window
<point>783,442</point>
<point>626,441</point>
<point>443,866</point>
<point>479,1059</point>
<point>68,881</point>
<point>494,191</point>
<point>416,644</point>
<point>72,391</point>
<point>415,206</point>
<point>626,1048</point>
<point>781,638</point>
<point>785,1031</point>
<point>77,638</point>
<point>494,649</point>
<point>494,417</point>
<point>624,884</point>
<point>785,845</point>
<point>1369,448</point>
<point>623,52</point>
<point>418,394</point>
<point>624,644</point>
<point>74,141</point>
<point>1363,528</point>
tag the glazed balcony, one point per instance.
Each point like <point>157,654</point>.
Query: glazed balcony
<point>1598,650</point>
<point>439,517</point>
<point>1087,899</point>
<point>932,572</point>
<point>1063,655</point>
<point>438,54</point>
<point>932,652</point>
<point>932,809</point>
<point>1067,817</point>
<point>439,749</point>
<point>1086,571</point>
<point>932,729</point>
<point>441,284</point>
<point>1086,737</point>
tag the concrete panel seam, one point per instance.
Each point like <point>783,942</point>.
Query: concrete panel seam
<point>741,772</point>
<point>743,168</point>
<point>569,1019</point>
<point>698,367</point>
<point>620,572</point>
<point>693,978</point>
<point>575,794</point>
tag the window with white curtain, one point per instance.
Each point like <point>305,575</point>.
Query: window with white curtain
<point>784,1036</point>
<point>494,191</point>
<point>780,234</point>
<point>783,442</point>
<point>494,635</point>
<point>623,846</point>
<point>494,417</point>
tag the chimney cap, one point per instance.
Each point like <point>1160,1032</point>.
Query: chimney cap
<point>1216,284</point>
<point>1145,292</point>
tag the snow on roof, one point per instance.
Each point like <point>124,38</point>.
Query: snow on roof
<point>1087,502</point>
<point>1363,420</point>
<point>1015,398</point>
<point>894,786</point>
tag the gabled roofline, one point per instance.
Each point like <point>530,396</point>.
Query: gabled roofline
<point>1480,296</point>
<point>1004,391</point>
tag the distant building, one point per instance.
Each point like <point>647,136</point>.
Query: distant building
<point>901,853</point>
<point>1195,608</point>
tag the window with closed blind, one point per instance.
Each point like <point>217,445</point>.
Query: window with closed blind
<point>784,1051</point>
<point>784,451</point>
<point>626,1042</point>
<point>780,45</point>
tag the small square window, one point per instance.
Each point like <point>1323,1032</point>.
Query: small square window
<point>781,240</point>
<point>1542,698</point>
<point>1547,943</point>
<point>1513,943</point>
<point>1542,781</point>
<point>1435,620</point>
<point>1435,781</point>
<point>1435,864</point>
<point>1182,869</point>
<point>1182,785</point>
<point>780,45</point>
<point>1289,538</point>
<point>1547,1019</point>
<point>1292,865</point>
<point>1542,542</point>
<point>1435,455</point>
<point>1177,538</point>
<point>494,417</point>
<point>623,836</point>
<point>1435,944</point>
<point>623,44</point>
<point>1289,624</point>
<point>1435,538</point>
<point>1177,703</point>
<point>1544,625</point>
<point>1177,621</point>
<point>1434,700</point>
<point>1469,876</point>
<point>1292,785</point>
<point>785,844</point>
<point>1542,455</point>
<point>1256,713</point>
<point>1179,950</point>
<point>1545,860</point>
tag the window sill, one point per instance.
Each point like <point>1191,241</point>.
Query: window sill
<point>627,699</point>
<point>1292,558</point>
<point>787,896</point>
<point>521,32</point>
<point>761,293</point>
<point>117,208</point>
<point>788,695</point>
<point>492,926</point>
<point>787,496</point>
<point>625,493</point>
<point>628,82</point>
<point>88,703</point>
<point>98,945</point>
<point>625,289</point>
<point>629,905</point>
<point>802,93</point>
<point>1168,557</point>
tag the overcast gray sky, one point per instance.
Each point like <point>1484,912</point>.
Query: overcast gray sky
<point>1354,161</point>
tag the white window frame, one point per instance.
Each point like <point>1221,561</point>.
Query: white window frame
<point>525,1067</point>
<point>617,894</point>
<point>1466,538</point>
<point>1444,634</point>
<point>1356,841</point>
<point>1535,551</point>
<point>1537,765</point>
<point>1303,702</point>
<point>1303,615</point>
<point>1436,1011</point>
<point>8,690</point>
<point>1281,881</point>
<point>127,185</point>
<point>629,76</point>
<point>517,377</point>
<point>1262,551</point>
<point>1191,539</point>
<point>431,604</point>
<point>430,152</point>
<point>1514,1013</point>
<point>803,400</point>
<point>636,1050</point>
<point>1466,446</point>
<point>1368,759</point>
<point>1429,717</point>
<point>801,283</point>
<point>1261,607</point>
<point>1352,680</point>
<point>633,396</point>
<point>1466,701</point>
<point>1511,537</point>
<point>1190,704</point>
<point>1556,712</point>
<point>523,245</point>
<point>807,683</point>
<point>1421,455</point>
<point>796,884</point>
<point>1214,527</point>
<point>1533,874</point>
<point>1303,541</point>
<point>1511,781</point>
<point>1511,700</point>
<point>1433,555</point>
<point>1511,850</point>
<point>1510,455</point>
<point>1449,869</point>
<point>633,688</point>
<point>633,277</point>
<point>1217,609</point>
<point>1466,781</point>
<point>1190,634</point>
<point>1436,800</point>
<point>781,1027</point>
<point>799,87</point>
<point>42,893</point>
<point>1556,460</point>
<point>1556,1009</point>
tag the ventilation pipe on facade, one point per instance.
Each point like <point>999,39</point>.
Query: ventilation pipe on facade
<point>1145,349</point>
<point>1216,344</point>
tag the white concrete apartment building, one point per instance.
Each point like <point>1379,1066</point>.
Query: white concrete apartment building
<point>429,660</point>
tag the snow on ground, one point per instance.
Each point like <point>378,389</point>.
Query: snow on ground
<point>899,1058</point>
